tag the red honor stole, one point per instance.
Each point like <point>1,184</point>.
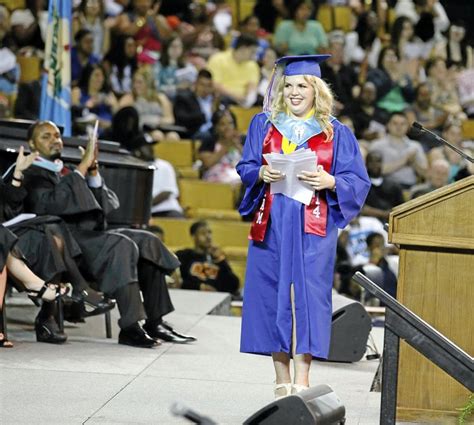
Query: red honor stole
<point>315,216</point>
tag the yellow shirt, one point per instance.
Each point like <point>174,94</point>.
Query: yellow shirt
<point>232,75</point>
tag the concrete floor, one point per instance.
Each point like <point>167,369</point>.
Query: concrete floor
<point>93,380</point>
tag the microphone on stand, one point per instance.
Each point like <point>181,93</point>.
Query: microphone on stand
<point>417,127</point>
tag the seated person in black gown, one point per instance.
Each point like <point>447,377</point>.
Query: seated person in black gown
<point>51,252</point>
<point>123,262</point>
<point>11,256</point>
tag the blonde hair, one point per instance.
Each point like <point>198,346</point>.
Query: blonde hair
<point>323,103</point>
<point>151,93</point>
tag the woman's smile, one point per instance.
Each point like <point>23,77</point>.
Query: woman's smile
<point>298,95</point>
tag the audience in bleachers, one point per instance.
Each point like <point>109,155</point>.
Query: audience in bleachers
<point>9,68</point>
<point>221,152</point>
<point>154,108</point>
<point>90,15</point>
<point>300,35</point>
<point>437,176</point>
<point>369,120</point>
<point>146,68</point>
<point>236,73</point>
<point>28,25</point>
<point>384,193</point>
<point>394,86</point>
<point>194,107</point>
<point>120,63</point>
<point>404,160</point>
<point>93,99</point>
<point>82,54</point>
<point>452,132</point>
<point>204,267</point>
<point>165,192</point>
<point>172,72</point>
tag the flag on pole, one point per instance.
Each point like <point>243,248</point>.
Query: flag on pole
<point>56,81</point>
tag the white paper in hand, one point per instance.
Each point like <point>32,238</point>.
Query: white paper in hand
<point>18,219</point>
<point>95,133</point>
<point>291,165</point>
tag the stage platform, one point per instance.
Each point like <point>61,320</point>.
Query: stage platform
<point>93,380</point>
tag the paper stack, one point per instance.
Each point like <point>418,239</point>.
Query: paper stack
<point>290,165</point>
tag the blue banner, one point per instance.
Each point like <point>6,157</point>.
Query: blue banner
<point>56,81</point>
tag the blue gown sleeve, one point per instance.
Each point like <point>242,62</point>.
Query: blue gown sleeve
<point>352,181</point>
<point>250,164</point>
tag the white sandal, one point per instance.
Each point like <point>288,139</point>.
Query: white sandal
<point>296,388</point>
<point>282,390</point>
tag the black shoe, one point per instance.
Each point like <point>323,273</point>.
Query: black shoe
<point>93,299</point>
<point>136,336</point>
<point>166,325</point>
<point>73,311</point>
<point>48,331</point>
<point>160,332</point>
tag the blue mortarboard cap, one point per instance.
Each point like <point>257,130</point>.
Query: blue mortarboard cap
<point>302,65</point>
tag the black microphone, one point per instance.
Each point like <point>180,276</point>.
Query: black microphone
<point>419,128</point>
<point>179,409</point>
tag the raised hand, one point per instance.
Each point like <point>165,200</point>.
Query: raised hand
<point>24,161</point>
<point>89,156</point>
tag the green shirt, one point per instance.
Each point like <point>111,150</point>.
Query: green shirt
<point>299,42</point>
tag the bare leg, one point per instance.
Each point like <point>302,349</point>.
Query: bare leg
<point>281,363</point>
<point>20,271</point>
<point>301,362</point>
<point>3,285</point>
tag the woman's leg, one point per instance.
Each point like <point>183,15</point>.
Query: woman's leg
<point>3,285</point>
<point>301,362</point>
<point>281,363</point>
<point>20,271</point>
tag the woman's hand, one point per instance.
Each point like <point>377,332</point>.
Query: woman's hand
<point>319,179</point>
<point>269,175</point>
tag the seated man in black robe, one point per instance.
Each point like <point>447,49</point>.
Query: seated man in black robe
<point>50,252</point>
<point>123,262</point>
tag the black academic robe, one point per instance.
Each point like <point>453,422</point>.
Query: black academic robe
<point>7,243</point>
<point>113,258</point>
<point>35,236</point>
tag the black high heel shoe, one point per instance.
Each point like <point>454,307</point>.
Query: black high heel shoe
<point>36,295</point>
<point>90,303</point>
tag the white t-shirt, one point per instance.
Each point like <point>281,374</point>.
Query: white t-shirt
<point>358,232</point>
<point>164,180</point>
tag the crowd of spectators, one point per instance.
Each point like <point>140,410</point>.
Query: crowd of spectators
<point>168,70</point>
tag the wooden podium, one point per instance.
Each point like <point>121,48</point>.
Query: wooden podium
<point>435,233</point>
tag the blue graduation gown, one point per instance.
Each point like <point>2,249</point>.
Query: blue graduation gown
<point>288,255</point>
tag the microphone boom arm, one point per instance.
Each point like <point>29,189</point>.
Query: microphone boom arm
<point>419,127</point>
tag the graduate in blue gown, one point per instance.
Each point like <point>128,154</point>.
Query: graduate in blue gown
<point>290,266</point>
